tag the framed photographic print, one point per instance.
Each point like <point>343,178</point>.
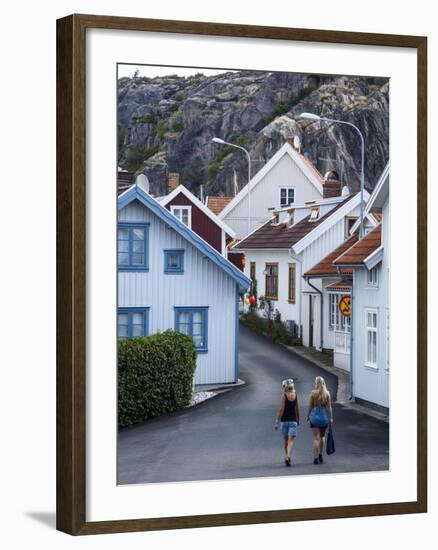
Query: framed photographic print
<point>241,288</point>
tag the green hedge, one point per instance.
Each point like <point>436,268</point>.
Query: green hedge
<point>274,329</point>
<point>155,375</point>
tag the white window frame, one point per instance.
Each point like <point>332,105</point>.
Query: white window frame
<point>181,207</point>
<point>368,329</point>
<point>372,281</point>
<point>288,188</point>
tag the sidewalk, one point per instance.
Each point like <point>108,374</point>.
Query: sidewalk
<point>325,362</point>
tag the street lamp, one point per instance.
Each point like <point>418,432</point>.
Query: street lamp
<point>312,116</point>
<point>223,142</point>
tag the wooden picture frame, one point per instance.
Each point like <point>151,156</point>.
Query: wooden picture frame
<point>71,273</point>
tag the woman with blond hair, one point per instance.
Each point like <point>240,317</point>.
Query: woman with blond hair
<point>319,415</point>
<point>289,416</point>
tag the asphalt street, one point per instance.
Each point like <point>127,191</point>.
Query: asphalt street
<point>232,435</point>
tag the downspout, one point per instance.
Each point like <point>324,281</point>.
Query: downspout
<point>351,336</point>
<point>295,257</point>
<point>321,328</point>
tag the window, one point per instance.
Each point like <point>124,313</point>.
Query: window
<point>183,213</point>
<point>132,247</point>
<point>287,196</point>
<point>349,222</point>
<point>252,271</point>
<point>371,338</point>
<point>372,277</point>
<point>132,322</point>
<point>337,321</point>
<point>174,261</point>
<point>314,213</point>
<point>291,286</point>
<point>271,281</point>
<point>194,322</point>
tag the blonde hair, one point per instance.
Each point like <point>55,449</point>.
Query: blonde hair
<point>288,385</point>
<point>320,391</point>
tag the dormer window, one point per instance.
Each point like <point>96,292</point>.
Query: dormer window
<point>314,213</point>
<point>287,196</point>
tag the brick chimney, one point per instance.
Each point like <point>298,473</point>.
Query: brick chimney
<point>172,181</point>
<point>332,186</point>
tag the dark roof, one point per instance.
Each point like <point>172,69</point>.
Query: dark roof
<point>124,181</point>
<point>325,267</point>
<point>360,251</point>
<point>217,204</point>
<point>272,235</point>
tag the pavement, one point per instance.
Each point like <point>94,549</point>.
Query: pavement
<point>232,435</point>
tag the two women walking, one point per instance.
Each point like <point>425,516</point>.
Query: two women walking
<point>319,415</point>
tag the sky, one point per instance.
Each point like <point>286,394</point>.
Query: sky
<point>154,70</point>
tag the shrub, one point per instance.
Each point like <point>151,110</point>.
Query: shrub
<point>274,329</point>
<point>136,155</point>
<point>155,375</point>
<point>160,128</point>
<point>178,125</point>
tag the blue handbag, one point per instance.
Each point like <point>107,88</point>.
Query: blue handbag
<point>319,417</point>
<point>330,448</point>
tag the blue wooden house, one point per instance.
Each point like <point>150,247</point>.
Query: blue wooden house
<point>170,278</point>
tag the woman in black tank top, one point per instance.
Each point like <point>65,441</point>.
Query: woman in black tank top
<point>289,417</point>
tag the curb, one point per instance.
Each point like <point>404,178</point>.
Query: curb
<point>343,391</point>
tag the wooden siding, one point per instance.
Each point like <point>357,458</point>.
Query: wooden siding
<point>266,194</point>
<point>201,224</point>
<point>203,284</point>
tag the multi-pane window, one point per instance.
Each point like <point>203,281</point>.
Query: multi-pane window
<point>174,261</point>
<point>183,213</point>
<point>132,322</point>
<point>271,281</point>
<point>291,284</point>
<point>371,338</point>
<point>287,196</point>
<point>132,246</point>
<point>314,213</point>
<point>194,322</point>
<point>337,321</point>
<point>372,277</point>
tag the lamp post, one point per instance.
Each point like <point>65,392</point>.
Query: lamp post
<point>312,116</point>
<point>222,142</point>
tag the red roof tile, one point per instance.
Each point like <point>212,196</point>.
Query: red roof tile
<point>217,204</point>
<point>325,267</point>
<point>343,286</point>
<point>272,235</point>
<point>356,254</point>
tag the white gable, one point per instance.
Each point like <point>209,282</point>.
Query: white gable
<point>287,168</point>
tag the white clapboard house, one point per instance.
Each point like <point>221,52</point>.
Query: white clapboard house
<point>280,252</point>
<point>359,269</point>
<point>171,278</point>
<point>287,178</point>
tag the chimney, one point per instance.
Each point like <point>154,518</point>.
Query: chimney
<point>172,181</point>
<point>331,186</point>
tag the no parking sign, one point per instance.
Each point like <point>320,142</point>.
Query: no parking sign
<point>345,305</point>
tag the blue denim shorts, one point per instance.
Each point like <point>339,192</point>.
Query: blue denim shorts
<point>288,429</point>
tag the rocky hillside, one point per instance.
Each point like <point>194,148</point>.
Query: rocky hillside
<point>166,124</point>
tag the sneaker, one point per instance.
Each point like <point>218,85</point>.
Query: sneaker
<point>287,461</point>
<point>315,461</point>
<point>321,460</point>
